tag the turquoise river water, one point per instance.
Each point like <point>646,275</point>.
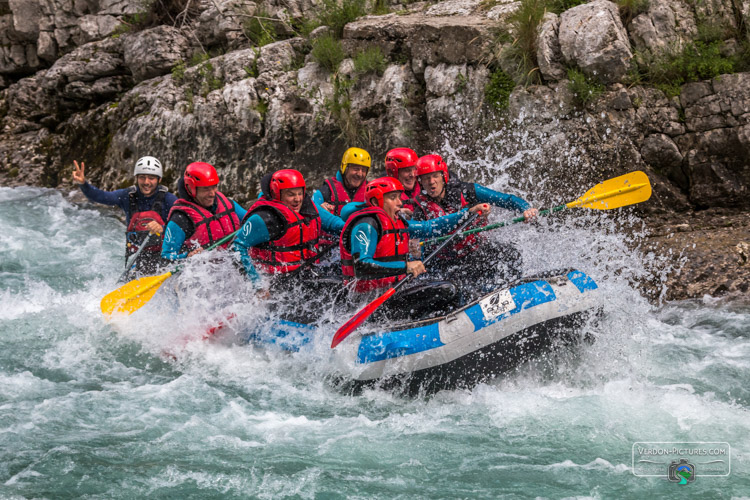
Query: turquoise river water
<point>141,407</point>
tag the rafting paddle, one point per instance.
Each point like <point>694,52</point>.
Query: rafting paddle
<point>133,295</point>
<point>621,191</point>
<point>370,308</point>
<point>132,260</point>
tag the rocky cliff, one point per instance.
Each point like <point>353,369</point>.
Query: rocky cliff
<point>252,87</point>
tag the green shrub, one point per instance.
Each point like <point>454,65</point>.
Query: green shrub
<point>178,72</point>
<point>262,108</point>
<point>303,27</point>
<point>522,52</point>
<point>671,69</point>
<point>560,6</point>
<point>337,16</point>
<point>327,52</point>
<point>197,58</point>
<point>370,60</point>
<point>13,172</point>
<point>261,29</point>
<point>584,89</point>
<point>380,8</point>
<point>210,81</point>
<point>497,92</point>
<point>631,8</point>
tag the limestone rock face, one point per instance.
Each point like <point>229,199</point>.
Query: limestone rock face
<point>222,22</point>
<point>154,52</point>
<point>455,94</point>
<point>78,81</point>
<point>429,40</point>
<point>659,151</point>
<point>593,38</point>
<point>548,52</point>
<point>667,25</point>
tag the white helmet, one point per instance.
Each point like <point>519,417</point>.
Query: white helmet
<point>148,165</point>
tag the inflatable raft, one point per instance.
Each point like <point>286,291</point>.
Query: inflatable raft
<point>490,336</point>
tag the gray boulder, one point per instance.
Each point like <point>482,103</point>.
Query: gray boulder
<point>222,22</point>
<point>548,52</point>
<point>455,94</point>
<point>593,38</point>
<point>667,25</point>
<point>154,52</point>
<point>661,153</point>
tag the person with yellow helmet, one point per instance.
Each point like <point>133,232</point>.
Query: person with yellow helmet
<point>349,183</point>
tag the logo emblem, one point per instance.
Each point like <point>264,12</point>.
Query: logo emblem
<point>681,472</point>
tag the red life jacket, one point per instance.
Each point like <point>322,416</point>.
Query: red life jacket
<point>137,231</point>
<point>411,202</point>
<point>339,195</point>
<point>339,198</point>
<point>298,243</point>
<point>393,245</point>
<point>209,227</point>
<point>453,201</point>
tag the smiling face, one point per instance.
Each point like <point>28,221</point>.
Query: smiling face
<point>355,175</point>
<point>292,198</point>
<point>206,195</point>
<point>408,177</point>
<point>392,203</point>
<point>147,183</point>
<point>434,184</point>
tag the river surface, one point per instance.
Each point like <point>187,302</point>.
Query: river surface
<point>140,406</point>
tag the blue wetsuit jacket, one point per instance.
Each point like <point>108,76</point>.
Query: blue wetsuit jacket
<point>180,227</point>
<point>498,199</point>
<point>364,236</point>
<point>263,226</point>
<point>121,198</point>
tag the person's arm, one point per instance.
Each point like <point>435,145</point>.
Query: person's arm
<point>239,210</point>
<point>118,198</point>
<point>502,200</point>
<point>435,227</point>
<point>364,240</point>
<point>322,198</point>
<point>174,238</point>
<point>331,223</point>
<point>253,232</point>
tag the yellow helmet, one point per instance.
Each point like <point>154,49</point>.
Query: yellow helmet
<point>357,156</point>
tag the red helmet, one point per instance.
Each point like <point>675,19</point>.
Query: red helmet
<point>380,187</point>
<point>432,163</point>
<point>199,174</point>
<point>285,179</point>
<point>399,158</point>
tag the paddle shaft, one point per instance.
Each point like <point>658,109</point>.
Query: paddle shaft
<point>364,313</point>
<point>496,225</point>
<point>132,260</point>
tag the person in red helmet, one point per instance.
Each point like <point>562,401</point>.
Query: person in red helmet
<point>374,247</point>
<point>201,216</point>
<point>282,229</point>
<point>401,164</point>
<point>443,193</point>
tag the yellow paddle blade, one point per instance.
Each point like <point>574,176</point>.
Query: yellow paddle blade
<point>132,296</point>
<point>627,189</point>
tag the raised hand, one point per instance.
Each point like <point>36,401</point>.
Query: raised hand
<point>78,173</point>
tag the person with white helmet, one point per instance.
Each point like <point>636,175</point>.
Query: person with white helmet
<point>146,206</point>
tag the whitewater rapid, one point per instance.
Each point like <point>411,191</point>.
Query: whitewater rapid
<point>140,406</point>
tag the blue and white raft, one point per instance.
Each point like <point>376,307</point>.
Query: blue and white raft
<point>488,337</point>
